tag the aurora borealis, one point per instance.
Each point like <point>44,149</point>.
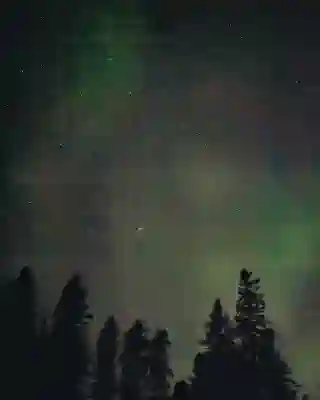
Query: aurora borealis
<point>209,142</point>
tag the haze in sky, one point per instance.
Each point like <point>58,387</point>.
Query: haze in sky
<point>159,165</point>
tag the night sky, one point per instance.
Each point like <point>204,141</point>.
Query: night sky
<point>157,150</point>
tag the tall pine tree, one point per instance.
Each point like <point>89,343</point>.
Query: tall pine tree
<point>217,326</point>
<point>250,323</point>
<point>159,373</point>
<point>181,391</point>
<point>215,362</point>
<point>43,361</point>
<point>18,336</point>
<point>134,362</point>
<point>265,375</point>
<point>69,357</point>
<point>24,334</point>
<point>277,381</point>
<point>105,385</point>
<point>250,307</point>
<point>8,338</point>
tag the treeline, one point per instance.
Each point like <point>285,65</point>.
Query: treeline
<point>49,359</point>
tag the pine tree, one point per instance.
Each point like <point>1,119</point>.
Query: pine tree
<point>43,360</point>
<point>69,358</point>
<point>277,381</point>
<point>107,346</point>
<point>264,374</point>
<point>212,365</point>
<point>7,377</point>
<point>24,333</point>
<point>250,307</point>
<point>217,325</point>
<point>250,325</point>
<point>181,391</point>
<point>158,363</point>
<point>134,362</point>
<point>18,336</point>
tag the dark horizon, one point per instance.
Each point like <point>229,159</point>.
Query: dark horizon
<point>50,356</point>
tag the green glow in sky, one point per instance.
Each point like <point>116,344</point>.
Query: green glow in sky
<point>159,140</point>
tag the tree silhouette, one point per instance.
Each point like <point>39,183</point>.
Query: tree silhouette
<point>250,307</point>
<point>238,359</point>
<point>277,381</point>
<point>43,360</point>
<point>107,345</point>
<point>216,361</point>
<point>7,342</point>
<point>134,362</point>
<point>23,334</point>
<point>250,324</point>
<point>17,335</point>
<point>217,325</point>
<point>68,353</point>
<point>158,362</point>
<point>262,365</point>
<point>181,391</point>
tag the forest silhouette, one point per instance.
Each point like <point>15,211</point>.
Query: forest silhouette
<point>49,358</point>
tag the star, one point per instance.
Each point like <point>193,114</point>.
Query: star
<point>237,341</point>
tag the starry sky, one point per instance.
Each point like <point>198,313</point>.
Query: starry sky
<point>158,150</point>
